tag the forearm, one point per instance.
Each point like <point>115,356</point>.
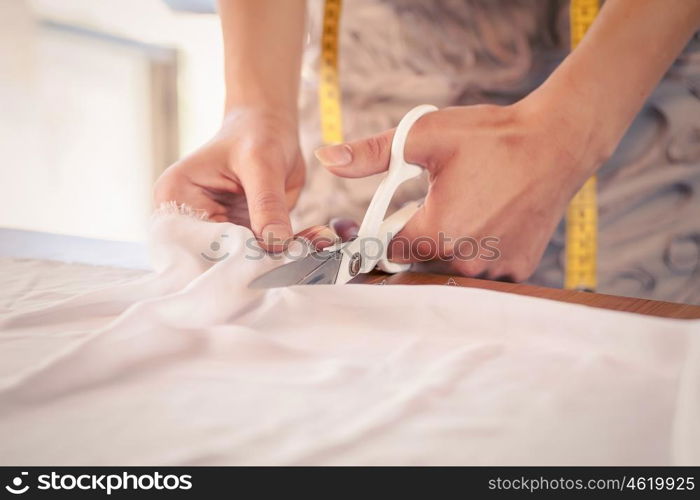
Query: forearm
<point>604,82</point>
<point>262,49</point>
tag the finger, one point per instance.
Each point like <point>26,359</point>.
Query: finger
<point>422,240</point>
<point>359,158</point>
<point>219,218</point>
<point>267,206</point>
<point>206,208</point>
<point>416,242</point>
<point>420,243</point>
<point>193,199</point>
<point>371,155</point>
<point>236,207</point>
<point>320,237</point>
<point>345,228</point>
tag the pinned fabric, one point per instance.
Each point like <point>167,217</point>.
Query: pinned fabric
<point>186,365</point>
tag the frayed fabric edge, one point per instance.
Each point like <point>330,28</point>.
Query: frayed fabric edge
<point>168,208</point>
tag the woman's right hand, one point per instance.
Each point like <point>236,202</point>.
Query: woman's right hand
<point>250,173</point>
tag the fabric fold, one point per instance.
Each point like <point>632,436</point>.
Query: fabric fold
<point>188,365</point>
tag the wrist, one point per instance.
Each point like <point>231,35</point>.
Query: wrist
<point>236,103</point>
<point>574,126</point>
<point>282,121</point>
<point>267,94</point>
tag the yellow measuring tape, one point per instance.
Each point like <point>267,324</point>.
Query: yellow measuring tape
<point>582,213</point>
<point>329,84</point>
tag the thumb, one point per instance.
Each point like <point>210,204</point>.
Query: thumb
<point>267,206</point>
<point>359,158</point>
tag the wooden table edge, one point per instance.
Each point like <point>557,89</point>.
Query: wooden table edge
<point>612,302</point>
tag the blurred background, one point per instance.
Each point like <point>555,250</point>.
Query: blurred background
<point>97,98</point>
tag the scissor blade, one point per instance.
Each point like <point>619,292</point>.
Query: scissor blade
<point>326,273</point>
<point>315,268</point>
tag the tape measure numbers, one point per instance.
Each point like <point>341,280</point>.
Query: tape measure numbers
<point>582,212</point>
<point>329,84</point>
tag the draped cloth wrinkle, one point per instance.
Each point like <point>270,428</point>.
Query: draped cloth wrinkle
<point>186,365</point>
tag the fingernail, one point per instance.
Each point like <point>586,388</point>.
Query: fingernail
<point>345,228</point>
<point>334,156</point>
<point>276,235</point>
<point>325,238</point>
<point>299,248</point>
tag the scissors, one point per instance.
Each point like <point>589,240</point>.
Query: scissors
<point>339,263</point>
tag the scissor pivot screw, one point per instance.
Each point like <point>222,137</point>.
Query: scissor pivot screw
<point>355,264</point>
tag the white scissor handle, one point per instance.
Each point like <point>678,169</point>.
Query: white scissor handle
<point>399,172</point>
<point>390,228</point>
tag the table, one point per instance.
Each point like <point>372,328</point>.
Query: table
<point>614,302</point>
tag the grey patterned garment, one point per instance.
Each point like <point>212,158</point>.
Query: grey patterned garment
<point>397,54</point>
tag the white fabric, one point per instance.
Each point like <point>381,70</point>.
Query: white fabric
<point>188,366</point>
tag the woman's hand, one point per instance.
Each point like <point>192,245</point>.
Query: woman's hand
<point>508,172</point>
<point>250,173</point>
<point>503,173</point>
